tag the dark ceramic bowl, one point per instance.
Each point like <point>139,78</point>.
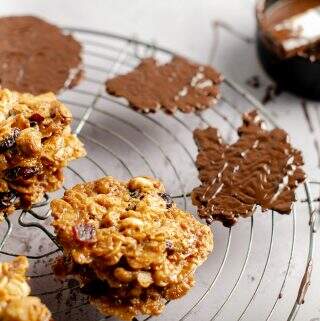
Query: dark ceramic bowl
<point>297,74</point>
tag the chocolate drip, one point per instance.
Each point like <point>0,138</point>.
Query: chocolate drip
<point>36,56</point>
<point>179,84</point>
<point>261,168</point>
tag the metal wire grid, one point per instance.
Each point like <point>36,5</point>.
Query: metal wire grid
<point>101,122</point>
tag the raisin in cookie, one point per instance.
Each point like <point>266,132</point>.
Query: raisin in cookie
<point>35,144</point>
<point>128,244</point>
<point>15,302</point>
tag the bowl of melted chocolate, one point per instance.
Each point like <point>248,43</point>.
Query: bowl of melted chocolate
<point>288,41</point>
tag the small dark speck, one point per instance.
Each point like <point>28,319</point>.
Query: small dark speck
<point>280,296</point>
<point>272,91</point>
<point>27,246</point>
<point>251,278</point>
<point>254,82</point>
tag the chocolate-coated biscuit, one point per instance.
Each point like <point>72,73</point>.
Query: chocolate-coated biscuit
<point>261,168</point>
<point>177,85</point>
<point>36,57</point>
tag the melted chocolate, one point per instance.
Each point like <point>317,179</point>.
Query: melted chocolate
<point>261,168</point>
<point>287,28</point>
<point>36,56</point>
<point>179,84</point>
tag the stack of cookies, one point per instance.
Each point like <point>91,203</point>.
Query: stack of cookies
<point>35,144</point>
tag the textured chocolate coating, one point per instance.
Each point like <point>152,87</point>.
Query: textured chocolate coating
<point>179,84</point>
<point>261,168</point>
<point>36,57</point>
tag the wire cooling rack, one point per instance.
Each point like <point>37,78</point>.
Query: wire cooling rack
<point>260,269</point>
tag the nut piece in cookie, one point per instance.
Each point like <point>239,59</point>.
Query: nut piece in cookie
<point>35,144</point>
<point>177,85</point>
<point>261,168</point>
<point>37,57</point>
<point>15,302</point>
<point>128,245</point>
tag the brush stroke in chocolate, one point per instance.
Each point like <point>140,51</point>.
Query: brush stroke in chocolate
<point>260,168</point>
<point>36,57</point>
<point>177,85</point>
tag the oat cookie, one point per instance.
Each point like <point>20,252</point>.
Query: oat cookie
<point>35,144</point>
<point>15,302</point>
<point>128,244</point>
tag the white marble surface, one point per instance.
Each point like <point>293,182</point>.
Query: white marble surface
<point>187,27</point>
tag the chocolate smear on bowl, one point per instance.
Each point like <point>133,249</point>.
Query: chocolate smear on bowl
<point>36,57</point>
<point>177,85</point>
<point>291,27</point>
<point>260,168</point>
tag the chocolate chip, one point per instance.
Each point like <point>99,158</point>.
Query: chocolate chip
<point>7,199</point>
<point>85,233</point>
<point>15,173</point>
<point>167,198</point>
<point>169,247</point>
<point>9,141</point>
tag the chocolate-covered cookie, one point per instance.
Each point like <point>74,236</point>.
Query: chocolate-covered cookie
<point>36,57</point>
<point>177,85</point>
<point>261,168</point>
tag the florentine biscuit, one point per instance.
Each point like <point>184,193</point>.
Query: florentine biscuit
<point>177,85</point>
<point>36,57</point>
<point>15,302</point>
<point>128,244</point>
<point>35,144</point>
<point>261,168</point>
